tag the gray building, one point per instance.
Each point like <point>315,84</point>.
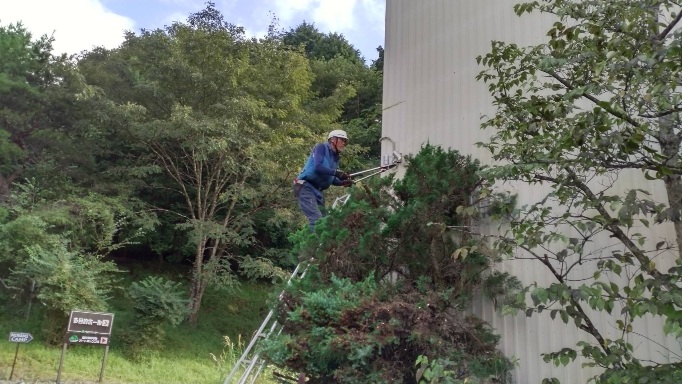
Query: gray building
<point>431,95</point>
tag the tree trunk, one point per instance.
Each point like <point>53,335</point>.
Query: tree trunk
<point>670,147</point>
<point>673,186</point>
<point>196,294</point>
<point>198,284</point>
<point>4,186</point>
<point>5,182</point>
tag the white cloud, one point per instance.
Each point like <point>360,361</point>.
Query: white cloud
<point>177,2</point>
<point>77,24</point>
<point>375,12</point>
<point>360,21</point>
<point>175,16</point>
<point>334,15</point>
<point>330,15</point>
<point>287,10</point>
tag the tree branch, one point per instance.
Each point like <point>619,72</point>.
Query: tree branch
<point>662,114</point>
<point>4,284</point>
<point>661,36</point>
<point>614,228</point>
<point>588,327</point>
<point>593,99</point>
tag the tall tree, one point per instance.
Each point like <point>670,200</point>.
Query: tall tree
<point>599,101</point>
<point>226,120</point>
<point>27,108</point>
<point>338,65</point>
<point>321,46</point>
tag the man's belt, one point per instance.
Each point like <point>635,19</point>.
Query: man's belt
<point>301,181</point>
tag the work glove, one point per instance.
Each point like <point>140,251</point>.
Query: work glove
<point>347,183</point>
<point>341,175</point>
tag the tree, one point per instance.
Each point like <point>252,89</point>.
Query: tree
<point>224,121</point>
<point>598,101</point>
<point>26,76</point>
<point>46,119</point>
<point>59,246</point>
<point>66,279</point>
<point>378,64</point>
<point>338,66</point>
<point>390,283</point>
<point>158,303</point>
<point>321,46</point>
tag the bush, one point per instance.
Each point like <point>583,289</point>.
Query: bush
<point>65,280</point>
<point>158,302</point>
<point>392,282</point>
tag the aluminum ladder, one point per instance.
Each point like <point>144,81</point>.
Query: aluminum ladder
<point>250,361</point>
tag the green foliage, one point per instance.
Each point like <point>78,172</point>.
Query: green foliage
<point>38,114</point>
<point>184,357</point>
<point>65,280</point>
<point>158,300</point>
<point>59,246</point>
<point>90,224</point>
<point>157,303</point>
<point>339,70</point>
<point>321,46</point>
<point>97,149</point>
<point>596,102</point>
<point>226,120</point>
<point>363,332</point>
<point>432,371</point>
<point>444,371</point>
<point>23,70</point>
<point>388,284</point>
<point>18,234</point>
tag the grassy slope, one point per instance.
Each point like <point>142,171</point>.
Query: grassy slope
<point>197,355</point>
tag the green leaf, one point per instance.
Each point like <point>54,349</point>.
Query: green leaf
<point>565,359</point>
<point>539,295</point>
<point>564,316</point>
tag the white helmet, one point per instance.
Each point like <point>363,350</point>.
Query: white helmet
<point>337,133</point>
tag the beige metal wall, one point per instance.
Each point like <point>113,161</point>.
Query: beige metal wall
<point>431,95</point>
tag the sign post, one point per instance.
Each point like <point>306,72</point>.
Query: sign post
<point>19,338</point>
<point>88,328</point>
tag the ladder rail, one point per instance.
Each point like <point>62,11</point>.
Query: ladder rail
<point>259,335</point>
<point>262,362</point>
<point>342,200</point>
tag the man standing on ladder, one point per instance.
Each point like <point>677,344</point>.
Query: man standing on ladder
<point>319,173</point>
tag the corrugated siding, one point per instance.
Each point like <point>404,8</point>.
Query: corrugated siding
<point>430,64</point>
<point>431,95</point>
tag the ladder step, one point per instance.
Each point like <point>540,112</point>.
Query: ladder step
<point>247,358</point>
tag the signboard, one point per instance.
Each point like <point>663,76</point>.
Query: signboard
<point>97,323</point>
<point>20,337</point>
<point>80,338</point>
<point>92,328</point>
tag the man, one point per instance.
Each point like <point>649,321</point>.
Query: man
<point>319,173</point>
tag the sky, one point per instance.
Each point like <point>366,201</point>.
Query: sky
<point>79,25</point>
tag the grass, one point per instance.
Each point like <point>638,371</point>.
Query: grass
<point>204,354</point>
